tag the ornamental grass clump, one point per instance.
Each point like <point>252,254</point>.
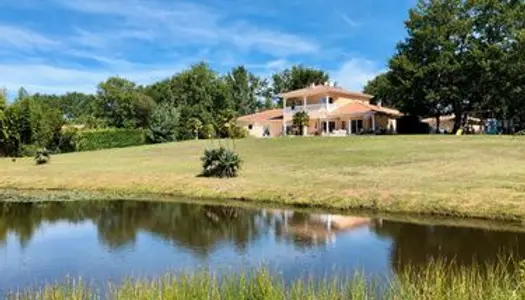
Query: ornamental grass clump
<point>42,157</point>
<point>220,162</point>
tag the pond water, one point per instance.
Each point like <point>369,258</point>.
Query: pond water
<point>100,241</point>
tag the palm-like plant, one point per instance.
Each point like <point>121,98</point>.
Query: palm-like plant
<point>42,157</point>
<point>220,162</point>
<point>195,126</point>
<point>301,120</point>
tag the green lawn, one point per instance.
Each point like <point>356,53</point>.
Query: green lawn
<point>475,176</point>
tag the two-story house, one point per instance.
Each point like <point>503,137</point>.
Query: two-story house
<point>332,110</point>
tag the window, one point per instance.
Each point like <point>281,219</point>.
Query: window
<point>357,126</point>
<point>343,125</point>
<point>331,100</point>
<point>250,127</point>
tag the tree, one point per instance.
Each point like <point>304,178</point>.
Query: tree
<point>164,124</point>
<point>301,120</point>
<point>200,93</point>
<point>22,94</point>
<point>382,89</point>
<point>427,68</point>
<point>195,125</point>
<point>297,77</point>
<point>4,132</point>
<point>122,105</point>
<point>243,88</point>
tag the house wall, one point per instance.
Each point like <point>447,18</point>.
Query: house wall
<point>317,99</point>
<point>257,130</point>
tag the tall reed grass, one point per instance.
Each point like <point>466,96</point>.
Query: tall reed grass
<point>438,280</point>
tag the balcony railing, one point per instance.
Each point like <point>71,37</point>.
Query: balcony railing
<point>310,108</point>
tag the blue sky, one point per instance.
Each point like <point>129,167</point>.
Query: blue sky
<point>54,46</point>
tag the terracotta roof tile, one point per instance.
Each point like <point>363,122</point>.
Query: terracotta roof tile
<point>361,108</point>
<point>323,89</point>
<point>267,115</point>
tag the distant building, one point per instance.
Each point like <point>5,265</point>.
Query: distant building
<point>333,111</point>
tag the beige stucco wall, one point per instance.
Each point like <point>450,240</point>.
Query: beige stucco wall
<point>258,128</point>
<point>311,100</point>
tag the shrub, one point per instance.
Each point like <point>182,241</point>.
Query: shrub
<point>163,125</point>
<point>42,156</point>
<point>29,150</point>
<point>68,140</point>
<point>220,162</point>
<point>208,131</point>
<point>109,138</point>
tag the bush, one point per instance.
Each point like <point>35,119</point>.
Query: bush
<point>68,141</point>
<point>164,125</point>
<point>29,150</point>
<point>42,157</point>
<point>109,138</point>
<point>208,131</point>
<point>220,162</point>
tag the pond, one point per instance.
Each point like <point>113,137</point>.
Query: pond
<point>107,241</point>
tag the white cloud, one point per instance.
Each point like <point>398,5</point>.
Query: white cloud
<point>54,79</point>
<point>355,73</point>
<point>349,21</point>
<point>24,39</point>
<point>180,23</point>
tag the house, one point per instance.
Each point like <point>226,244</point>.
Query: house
<point>332,111</point>
<point>446,124</point>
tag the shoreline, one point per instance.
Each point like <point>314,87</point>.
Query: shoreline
<point>446,218</point>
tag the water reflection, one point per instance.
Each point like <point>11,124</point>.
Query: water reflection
<point>198,228</point>
<point>127,235</point>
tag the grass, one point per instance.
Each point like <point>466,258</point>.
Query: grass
<point>463,176</point>
<point>438,281</point>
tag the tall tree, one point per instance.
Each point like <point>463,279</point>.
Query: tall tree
<point>243,88</point>
<point>297,77</point>
<point>427,68</point>
<point>4,133</point>
<point>382,89</point>
<point>122,105</point>
<point>200,94</point>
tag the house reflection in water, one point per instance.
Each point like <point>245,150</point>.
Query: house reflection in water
<point>308,230</point>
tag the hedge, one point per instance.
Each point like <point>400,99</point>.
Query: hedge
<point>96,139</point>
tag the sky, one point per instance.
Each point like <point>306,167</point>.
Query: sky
<point>56,46</point>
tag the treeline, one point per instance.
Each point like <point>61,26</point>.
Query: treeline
<point>195,103</point>
<point>460,57</point>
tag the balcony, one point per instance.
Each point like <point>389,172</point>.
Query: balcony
<point>310,108</point>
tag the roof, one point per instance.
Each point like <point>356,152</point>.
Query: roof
<point>263,116</point>
<point>361,108</point>
<point>323,89</point>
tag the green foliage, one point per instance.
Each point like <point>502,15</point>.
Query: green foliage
<point>121,104</point>
<point>435,281</point>
<point>164,124</point>
<point>29,150</point>
<point>96,139</point>
<point>195,125</point>
<point>220,162</point>
<point>42,156</point>
<point>461,57</point>
<point>300,120</point>
<point>244,89</point>
<point>68,140</point>
<point>297,77</point>
<point>4,131</point>
<point>208,131</point>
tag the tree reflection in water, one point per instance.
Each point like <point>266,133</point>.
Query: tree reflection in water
<point>201,228</point>
<point>418,245</point>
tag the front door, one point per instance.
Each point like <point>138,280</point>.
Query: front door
<point>331,126</point>
<point>357,126</point>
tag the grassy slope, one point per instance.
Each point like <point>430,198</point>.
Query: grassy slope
<point>476,176</point>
